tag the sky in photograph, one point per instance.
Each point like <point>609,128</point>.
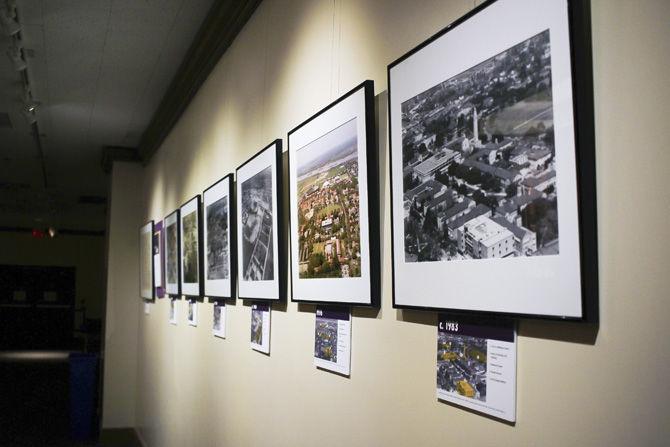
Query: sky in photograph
<point>337,139</point>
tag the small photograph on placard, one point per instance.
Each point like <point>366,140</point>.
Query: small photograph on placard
<point>173,311</point>
<point>219,324</point>
<point>476,365</point>
<point>193,313</point>
<point>332,339</point>
<point>260,327</point>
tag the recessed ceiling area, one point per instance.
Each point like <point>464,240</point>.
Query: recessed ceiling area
<point>97,71</point>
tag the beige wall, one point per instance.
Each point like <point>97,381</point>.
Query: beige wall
<point>85,253</point>
<point>123,300</point>
<point>576,385</point>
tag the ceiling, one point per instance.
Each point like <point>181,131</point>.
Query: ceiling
<point>99,70</point>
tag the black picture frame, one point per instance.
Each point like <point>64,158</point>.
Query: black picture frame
<point>175,219</point>
<point>147,231</point>
<point>159,240</point>
<point>578,31</point>
<point>271,153</point>
<point>187,290</point>
<point>341,116</point>
<point>211,295</point>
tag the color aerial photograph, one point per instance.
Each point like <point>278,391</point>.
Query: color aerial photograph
<point>171,236</point>
<point>217,240</point>
<point>256,215</point>
<point>328,205</point>
<point>190,254</point>
<point>257,326</point>
<point>461,365</point>
<point>325,342</point>
<point>479,172</point>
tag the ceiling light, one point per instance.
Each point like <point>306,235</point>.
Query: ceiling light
<point>16,56</point>
<point>8,22</point>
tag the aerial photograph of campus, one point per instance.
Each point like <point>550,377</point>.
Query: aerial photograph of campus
<point>257,326</point>
<point>171,255</point>
<point>328,205</point>
<point>256,214</point>
<point>479,172</point>
<point>461,365</point>
<point>190,255</point>
<point>147,259</point>
<point>325,341</point>
<point>217,239</point>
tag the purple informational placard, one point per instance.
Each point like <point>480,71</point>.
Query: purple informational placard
<point>332,339</point>
<point>476,364</point>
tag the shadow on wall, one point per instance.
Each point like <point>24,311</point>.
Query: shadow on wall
<point>569,331</point>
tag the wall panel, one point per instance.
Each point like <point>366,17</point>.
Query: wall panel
<point>576,385</point>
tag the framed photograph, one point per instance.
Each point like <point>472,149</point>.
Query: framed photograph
<point>334,203</point>
<point>159,260</point>
<point>146,261</point>
<point>172,254</point>
<point>493,164</point>
<point>219,234</point>
<point>260,242</point>
<point>191,248</point>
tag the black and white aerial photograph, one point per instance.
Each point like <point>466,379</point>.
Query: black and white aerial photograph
<point>256,231</point>
<point>218,259</point>
<point>478,159</point>
<point>171,255</point>
<point>146,260</point>
<point>190,255</point>
<point>156,243</point>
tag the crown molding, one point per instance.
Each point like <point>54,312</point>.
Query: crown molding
<point>225,20</point>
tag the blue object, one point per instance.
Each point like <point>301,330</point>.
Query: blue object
<point>83,373</point>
